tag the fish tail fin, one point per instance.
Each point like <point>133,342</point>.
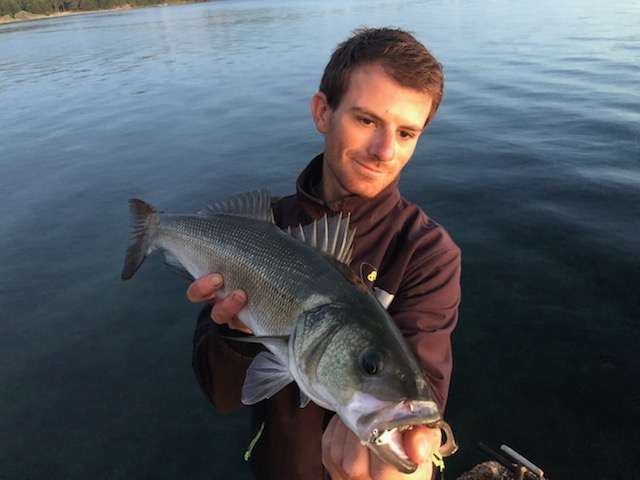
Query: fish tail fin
<point>145,222</point>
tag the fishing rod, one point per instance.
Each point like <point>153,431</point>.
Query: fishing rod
<point>520,467</point>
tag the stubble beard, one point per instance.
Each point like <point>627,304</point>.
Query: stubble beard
<point>362,184</point>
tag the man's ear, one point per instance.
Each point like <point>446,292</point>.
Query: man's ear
<point>320,111</point>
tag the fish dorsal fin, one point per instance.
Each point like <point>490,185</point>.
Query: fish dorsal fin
<point>331,236</point>
<point>265,377</point>
<point>256,204</point>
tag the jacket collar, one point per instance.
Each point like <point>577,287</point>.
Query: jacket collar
<point>308,193</point>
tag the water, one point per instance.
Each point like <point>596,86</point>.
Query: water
<point>532,164</point>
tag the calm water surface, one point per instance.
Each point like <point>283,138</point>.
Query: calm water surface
<point>533,164</point>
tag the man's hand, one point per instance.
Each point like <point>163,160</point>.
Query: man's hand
<point>226,309</point>
<point>345,458</point>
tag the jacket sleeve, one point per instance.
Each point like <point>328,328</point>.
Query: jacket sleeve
<point>426,311</point>
<point>219,367</point>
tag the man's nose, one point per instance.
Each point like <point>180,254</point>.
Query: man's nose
<point>383,145</point>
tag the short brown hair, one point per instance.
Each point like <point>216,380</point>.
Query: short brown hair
<point>402,57</point>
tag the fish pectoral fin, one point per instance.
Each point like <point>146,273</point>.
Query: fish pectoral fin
<point>266,376</point>
<point>304,399</point>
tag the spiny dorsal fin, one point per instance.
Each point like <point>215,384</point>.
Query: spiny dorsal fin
<point>329,235</point>
<point>255,204</point>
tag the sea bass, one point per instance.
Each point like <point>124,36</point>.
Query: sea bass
<point>321,325</point>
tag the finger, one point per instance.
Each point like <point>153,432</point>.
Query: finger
<point>355,460</point>
<point>236,324</point>
<point>333,435</point>
<point>327,440</point>
<point>420,442</point>
<point>204,288</point>
<point>224,310</point>
<point>337,444</point>
<point>379,470</point>
<point>334,474</point>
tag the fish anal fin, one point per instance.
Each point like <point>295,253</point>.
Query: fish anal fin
<point>173,264</point>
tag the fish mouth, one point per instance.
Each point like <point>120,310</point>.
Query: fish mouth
<point>385,435</point>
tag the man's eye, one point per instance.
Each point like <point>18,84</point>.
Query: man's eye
<point>365,121</point>
<point>406,135</point>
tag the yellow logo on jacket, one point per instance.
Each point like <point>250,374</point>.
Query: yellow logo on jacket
<point>368,273</point>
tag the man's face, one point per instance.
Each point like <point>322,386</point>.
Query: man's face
<point>372,134</point>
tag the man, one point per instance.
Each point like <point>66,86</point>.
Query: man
<point>379,91</point>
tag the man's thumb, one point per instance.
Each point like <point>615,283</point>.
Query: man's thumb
<point>419,443</point>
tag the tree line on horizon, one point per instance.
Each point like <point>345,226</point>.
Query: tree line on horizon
<point>11,7</point>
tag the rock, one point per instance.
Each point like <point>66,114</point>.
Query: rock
<point>487,471</point>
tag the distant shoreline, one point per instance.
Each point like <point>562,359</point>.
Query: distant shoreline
<point>24,16</point>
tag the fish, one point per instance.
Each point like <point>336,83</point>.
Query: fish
<point>322,327</point>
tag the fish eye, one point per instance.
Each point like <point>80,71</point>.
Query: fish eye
<point>371,361</point>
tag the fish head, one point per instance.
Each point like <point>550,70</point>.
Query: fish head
<point>359,365</point>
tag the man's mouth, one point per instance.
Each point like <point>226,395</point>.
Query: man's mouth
<point>369,166</point>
